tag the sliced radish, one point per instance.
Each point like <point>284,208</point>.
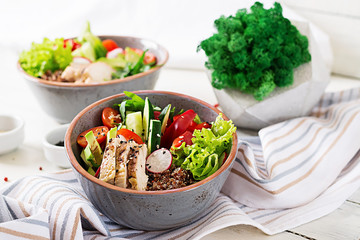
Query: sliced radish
<point>82,60</point>
<point>114,53</point>
<point>159,161</point>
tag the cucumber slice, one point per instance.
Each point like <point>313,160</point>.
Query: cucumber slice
<point>154,135</point>
<point>164,117</point>
<point>148,115</point>
<point>134,122</point>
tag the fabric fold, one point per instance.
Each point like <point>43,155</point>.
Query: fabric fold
<point>292,173</point>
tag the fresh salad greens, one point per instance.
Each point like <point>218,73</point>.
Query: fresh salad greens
<point>84,59</point>
<point>202,158</point>
<point>46,56</point>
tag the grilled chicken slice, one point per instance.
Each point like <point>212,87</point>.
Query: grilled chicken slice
<point>74,72</point>
<point>123,164</point>
<point>108,164</point>
<point>136,167</point>
<point>121,175</point>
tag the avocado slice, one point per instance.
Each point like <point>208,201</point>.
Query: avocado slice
<point>94,149</point>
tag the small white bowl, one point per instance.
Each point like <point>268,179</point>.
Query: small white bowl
<point>53,153</point>
<point>11,133</point>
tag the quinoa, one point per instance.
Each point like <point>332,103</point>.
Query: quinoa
<point>53,76</point>
<point>174,177</point>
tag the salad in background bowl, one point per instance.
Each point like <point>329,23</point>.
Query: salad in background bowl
<point>85,59</point>
<point>131,64</point>
<point>159,166</point>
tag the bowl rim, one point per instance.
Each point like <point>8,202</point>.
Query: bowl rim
<point>126,79</point>
<point>97,181</point>
<point>19,125</point>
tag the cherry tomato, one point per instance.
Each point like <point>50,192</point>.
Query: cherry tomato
<point>185,137</point>
<point>110,117</point>
<point>99,133</point>
<point>177,127</point>
<point>156,115</point>
<point>192,126</point>
<point>130,135</point>
<point>73,43</point>
<point>203,125</point>
<point>149,58</point>
<point>109,44</point>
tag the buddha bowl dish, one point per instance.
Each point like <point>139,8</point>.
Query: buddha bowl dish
<point>155,179</point>
<point>77,72</point>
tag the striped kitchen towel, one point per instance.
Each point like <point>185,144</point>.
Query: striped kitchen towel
<point>292,173</point>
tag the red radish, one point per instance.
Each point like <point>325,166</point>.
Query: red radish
<point>79,59</point>
<point>159,161</point>
<point>114,53</point>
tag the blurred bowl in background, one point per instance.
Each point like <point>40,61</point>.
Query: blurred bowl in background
<point>53,146</point>
<point>11,133</point>
<point>62,101</point>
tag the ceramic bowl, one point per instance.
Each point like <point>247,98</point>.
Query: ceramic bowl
<point>62,101</point>
<point>53,146</point>
<point>147,210</point>
<point>11,133</point>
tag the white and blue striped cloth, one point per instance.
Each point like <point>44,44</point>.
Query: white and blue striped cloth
<point>294,172</point>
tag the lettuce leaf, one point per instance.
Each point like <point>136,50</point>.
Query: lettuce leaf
<point>96,44</point>
<point>45,56</point>
<point>203,157</point>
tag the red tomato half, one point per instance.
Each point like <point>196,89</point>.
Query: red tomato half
<point>185,137</point>
<point>99,132</point>
<point>130,135</point>
<point>110,117</point>
<point>149,58</point>
<point>109,44</point>
<point>74,44</point>
<point>203,125</point>
<point>156,114</point>
<point>177,127</point>
<point>192,126</point>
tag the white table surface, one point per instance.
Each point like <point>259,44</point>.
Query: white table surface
<point>16,98</point>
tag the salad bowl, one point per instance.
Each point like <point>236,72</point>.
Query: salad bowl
<point>148,210</point>
<point>63,100</point>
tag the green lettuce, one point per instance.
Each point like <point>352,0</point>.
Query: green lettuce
<point>203,157</point>
<point>45,56</point>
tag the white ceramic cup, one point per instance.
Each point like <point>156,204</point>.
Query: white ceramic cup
<point>11,133</point>
<point>53,153</point>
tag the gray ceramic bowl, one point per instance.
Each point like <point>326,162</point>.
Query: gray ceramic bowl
<point>147,210</point>
<point>62,101</point>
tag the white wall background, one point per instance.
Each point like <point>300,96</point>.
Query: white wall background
<point>177,24</point>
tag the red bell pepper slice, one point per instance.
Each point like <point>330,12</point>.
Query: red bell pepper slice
<point>178,127</point>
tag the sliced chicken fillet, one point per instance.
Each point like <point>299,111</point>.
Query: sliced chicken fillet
<point>108,164</point>
<point>136,167</point>
<point>121,175</point>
